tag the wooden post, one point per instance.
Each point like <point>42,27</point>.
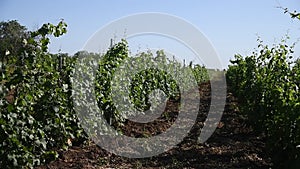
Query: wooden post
<point>60,63</point>
<point>22,60</point>
<point>2,64</point>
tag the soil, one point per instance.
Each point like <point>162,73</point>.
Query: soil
<point>234,144</point>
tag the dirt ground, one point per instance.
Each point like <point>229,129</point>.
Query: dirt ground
<point>232,145</point>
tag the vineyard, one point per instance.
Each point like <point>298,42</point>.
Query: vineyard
<point>41,93</point>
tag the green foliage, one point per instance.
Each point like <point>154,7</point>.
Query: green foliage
<point>107,67</point>
<point>293,15</point>
<point>147,81</point>
<point>122,78</point>
<point>12,35</point>
<point>267,86</point>
<point>37,110</point>
<point>200,73</point>
<point>37,116</point>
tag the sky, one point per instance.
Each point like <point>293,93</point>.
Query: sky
<point>231,26</point>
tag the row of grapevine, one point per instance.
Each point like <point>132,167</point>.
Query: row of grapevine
<point>267,86</point>
<point>38,105</point>
<point>37,116</point>
<point>123,84</point>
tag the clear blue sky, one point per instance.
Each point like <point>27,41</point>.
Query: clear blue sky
<point>230,25</point>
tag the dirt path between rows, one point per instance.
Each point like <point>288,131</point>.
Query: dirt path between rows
<point>233,145</point>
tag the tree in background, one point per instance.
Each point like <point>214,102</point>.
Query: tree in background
<point>12,37</point>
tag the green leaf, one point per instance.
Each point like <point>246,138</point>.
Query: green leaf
<point>10,108</point>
